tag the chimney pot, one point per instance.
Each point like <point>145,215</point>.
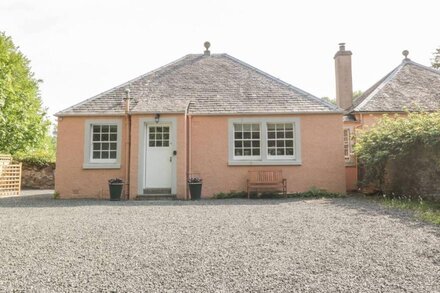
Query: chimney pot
<point>341,46</point>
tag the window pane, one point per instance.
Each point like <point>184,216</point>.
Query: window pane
<point>113,128</point>
<point>247,152</point>
<point>166,129</point>
<point>289,143</point>
<point>256,127</point>
<point>96,137</point>
<point>238,152</point>
<point>96,128</point>
<point>280,134</point>
<point>159,143</point>
<point>238,135</point>
<point>289,152</point>
<point>113,146</point>
<point>247,143</point>
<point>255,135</point>
<point>113,137</point>
<point>104,137</point>
<point>256,143</point>
<point>280,143</point>
<point>289,134</point>
<point>159,136</point>
<point>238,127</point>
<point>289,126</point>
<point>246,135</point>
<point>105,128</point>
<point>246,127</point>
<point>113,155</point>
<point>280,126</point>
<point>271,151</point>
<point>96,155</point>
<point>238,144</point>
<point>166,136</point>
<point>280,152</point>
<point>159,129</point>
<point>151,143</point>
<point>166,143</point>
<point>104,155</point>
<point>152,129</point>
<point>105,146</point>
<point>271,135</point>
<point>256,152</point>
<point>152,136</point>
<point>270,126</point>
<point>96,146</point>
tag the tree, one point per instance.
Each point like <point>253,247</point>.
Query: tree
<point>435,61</point>
<point>329,100</point>
<point>357,94</point>
<point>23,122</point>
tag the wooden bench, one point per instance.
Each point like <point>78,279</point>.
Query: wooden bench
<point>267,180</point>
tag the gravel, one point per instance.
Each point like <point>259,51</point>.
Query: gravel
<point>314,245</point>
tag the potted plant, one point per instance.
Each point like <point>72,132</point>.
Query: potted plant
<point>195,187</point>
<point>115,185</point>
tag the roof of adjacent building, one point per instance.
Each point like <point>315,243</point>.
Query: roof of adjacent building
<point>409,87</point>
<point>215,84</point>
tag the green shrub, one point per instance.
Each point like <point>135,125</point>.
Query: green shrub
<point>313,192</point>
<point>39,158</point>
<point>393,138</point>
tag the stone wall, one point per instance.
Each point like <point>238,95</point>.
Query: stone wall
<point>415,174</point>
<point>38,177</point>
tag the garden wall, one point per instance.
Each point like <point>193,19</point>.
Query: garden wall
<point>415,174</point>
<point>38,177</point>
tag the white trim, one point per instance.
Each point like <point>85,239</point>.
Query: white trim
<point>143,123</point>
<point>104,164</point>
<point>265,159</point>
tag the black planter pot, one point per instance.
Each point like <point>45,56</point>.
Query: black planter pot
<point>115,190</point>
<point>195,189</point>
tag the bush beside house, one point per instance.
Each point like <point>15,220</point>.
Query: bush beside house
<point>401,155</point>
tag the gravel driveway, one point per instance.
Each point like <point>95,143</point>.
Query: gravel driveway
<point>316,245</point>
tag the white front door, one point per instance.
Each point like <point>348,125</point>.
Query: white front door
<point>158,156</point>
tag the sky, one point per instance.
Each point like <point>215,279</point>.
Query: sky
<point>82,48</point>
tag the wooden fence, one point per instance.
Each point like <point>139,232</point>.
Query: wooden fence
<point>10,176</point>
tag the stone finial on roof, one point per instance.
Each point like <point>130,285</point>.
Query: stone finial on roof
<point>207,45</point>
<point>405,53</point>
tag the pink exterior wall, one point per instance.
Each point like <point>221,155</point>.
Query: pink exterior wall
<point>71,180</point>
<point>321,143</point>
<point>322,155</point>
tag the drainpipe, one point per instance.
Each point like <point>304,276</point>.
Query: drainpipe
<point>187,147</point>
<point>127,100</point>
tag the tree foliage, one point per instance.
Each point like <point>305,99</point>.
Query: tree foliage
<point>435,61</point>
<point>393,138</point>
<point>23,122</point>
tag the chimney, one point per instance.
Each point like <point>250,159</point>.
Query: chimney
<point>344,83</point>
<point>207,52</point>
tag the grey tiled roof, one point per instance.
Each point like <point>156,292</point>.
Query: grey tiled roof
<point>216,84</point>
<point>410,86</point>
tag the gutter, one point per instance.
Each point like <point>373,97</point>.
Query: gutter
<point>127,100</point>
<point>187,147</point>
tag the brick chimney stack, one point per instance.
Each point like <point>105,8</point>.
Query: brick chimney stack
<point>344,82</point>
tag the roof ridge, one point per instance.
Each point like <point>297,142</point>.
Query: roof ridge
<point>422,66</point>
<point>126,83</point>
<point>331,106</point>
<point>378,86</point>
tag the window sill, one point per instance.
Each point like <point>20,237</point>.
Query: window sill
<point>265,163</point>
<point>101,166</point>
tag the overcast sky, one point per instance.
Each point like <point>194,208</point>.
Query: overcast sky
<point>81,48</point>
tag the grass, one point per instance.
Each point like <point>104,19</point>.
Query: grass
<point>425,210</point>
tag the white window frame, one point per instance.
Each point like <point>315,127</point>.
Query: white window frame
<point>350,159</point>
<point>89,162</point>
<point>245,158</point>
<point>264,158</point>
